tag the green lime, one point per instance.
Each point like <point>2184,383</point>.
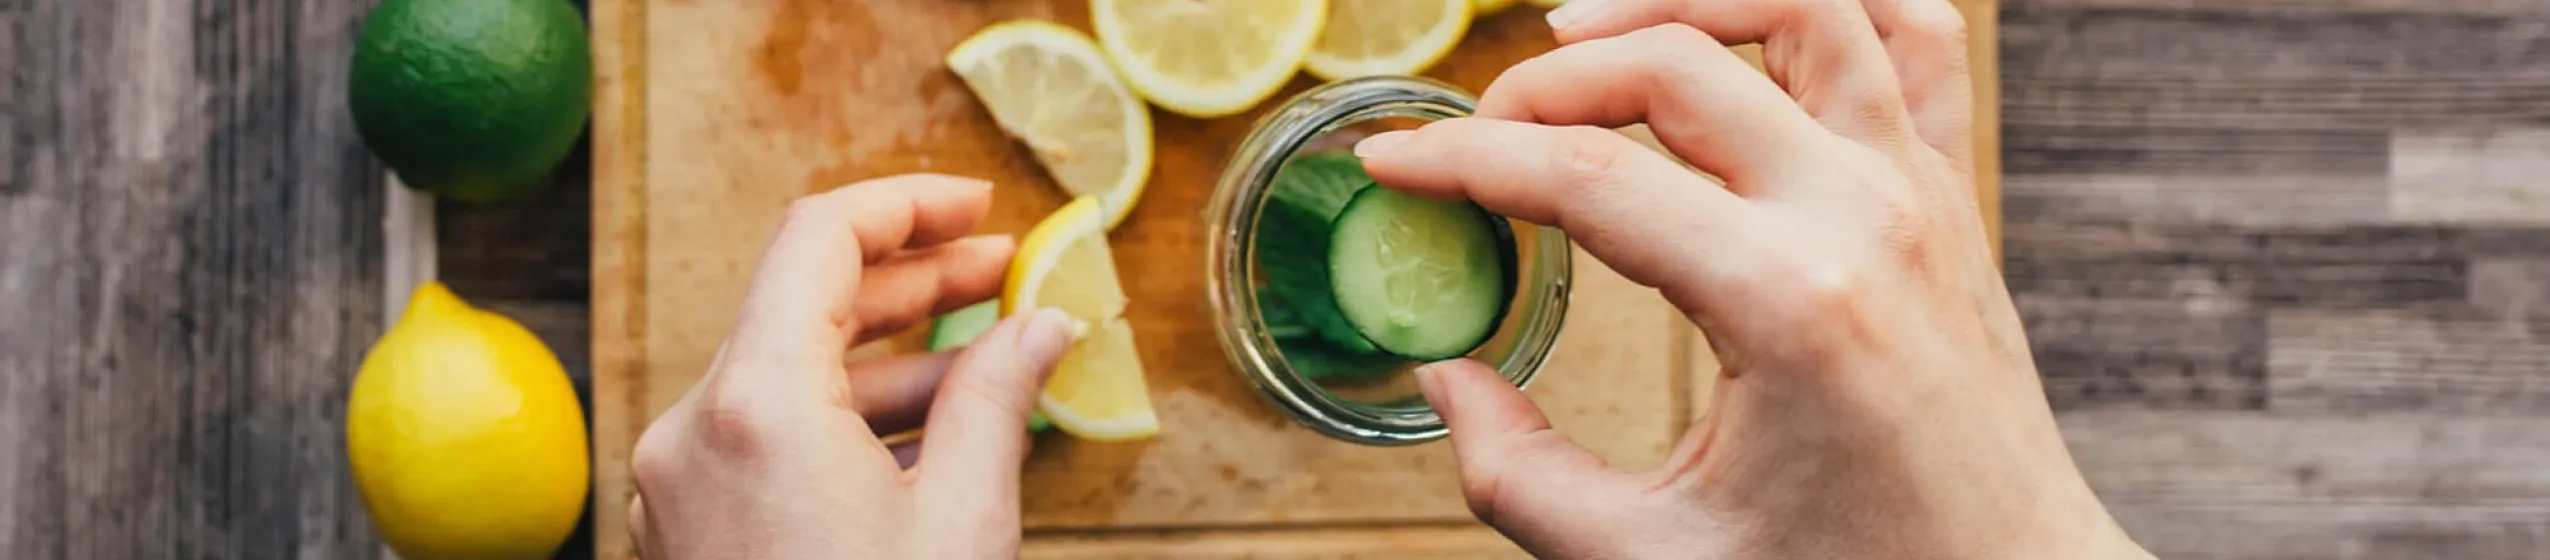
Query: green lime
<point>474,100</point>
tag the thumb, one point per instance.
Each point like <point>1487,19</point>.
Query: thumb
<point>976,434</point>
<point>1519,475</point>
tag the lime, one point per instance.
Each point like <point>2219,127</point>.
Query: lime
<point>473,100</point>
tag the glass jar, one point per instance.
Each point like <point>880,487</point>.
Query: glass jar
<point>1379,404</point>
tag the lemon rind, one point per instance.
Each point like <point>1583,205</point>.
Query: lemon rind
<point>1206,101</point>
<point>1424,53</point>
<point>1120,198</point>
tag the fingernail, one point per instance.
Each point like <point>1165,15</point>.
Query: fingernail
<point>1046,335</point>
<point>1572,13</point>
<point>1430,383</point>
<point>1381,144</point>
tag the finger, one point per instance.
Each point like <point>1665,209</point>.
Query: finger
<point>912,286</point>
<point>977,433</point>
<point>1824,52</point>
<point>894,393</point>
<point>1612,196</point>
<point>1927,41</point>
<point>799,304</point>
<point>1705,105</point>
<point>1517,473</point>
<point>637,526</point>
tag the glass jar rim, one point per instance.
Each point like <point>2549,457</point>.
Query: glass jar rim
<point>1231,216</point>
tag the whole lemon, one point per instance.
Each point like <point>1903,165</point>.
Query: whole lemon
<point>465,436</point>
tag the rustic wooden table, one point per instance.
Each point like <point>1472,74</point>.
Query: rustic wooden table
<point>2285,265</point>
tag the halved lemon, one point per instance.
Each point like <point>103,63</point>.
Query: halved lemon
<point>1207,58</point>
<point>1048,86</point>
<point>1387,37</point>
<point>1097,392</point>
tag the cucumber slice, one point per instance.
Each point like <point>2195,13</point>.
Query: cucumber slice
<point>1422,279</point>
<point>960,327</point>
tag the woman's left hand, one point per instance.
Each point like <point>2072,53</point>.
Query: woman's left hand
<point>775,453</point>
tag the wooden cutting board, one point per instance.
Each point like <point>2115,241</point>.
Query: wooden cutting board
<point>712,115</point>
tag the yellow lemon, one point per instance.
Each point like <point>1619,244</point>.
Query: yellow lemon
<point>1386,37</point>
<point>1097,391</point>
<point>1048,86</point>
<point>1207,58</point>
<point>465,436</point>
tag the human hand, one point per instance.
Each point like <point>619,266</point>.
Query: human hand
<point>775,454</point>
<point>1877,397</point>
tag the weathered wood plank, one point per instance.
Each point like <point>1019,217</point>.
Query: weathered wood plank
<point>2182,65</point>
<point>192,275</point>
<point>2512,287</point>
<point>2070,149</point>
<point>2147,353</point>
<point>537,248</point>
<point>2364,265</point>
<point>2471,176</point>
<point>2290,7</point>
<point>2448,359</point>
<point>2243,485</point>
<point>2129,315</point>
<point>2190,197</point>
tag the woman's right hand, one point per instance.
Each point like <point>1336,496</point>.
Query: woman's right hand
<point>1877,398</point>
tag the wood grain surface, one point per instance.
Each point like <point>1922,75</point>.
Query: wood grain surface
<point>827,93</point>
<point>2282,264</point>
<point>187,249</point>
<point>189,274</point>
<point>733,109</point>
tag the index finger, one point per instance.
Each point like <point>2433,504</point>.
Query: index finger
<point>1655,222</point>
<point>1703,102</point>
<point>798,309</point>
<point>1824,53</point>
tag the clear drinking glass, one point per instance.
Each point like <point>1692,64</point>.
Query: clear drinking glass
<point>1382,409</point>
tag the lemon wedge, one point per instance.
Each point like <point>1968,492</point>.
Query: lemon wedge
<point>1097,392</point>
<point>1049,87</point>
<point>1387,37</point>
<point>1209,58</point>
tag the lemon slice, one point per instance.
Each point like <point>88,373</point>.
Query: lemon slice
<point>1048,86</point>
<point>1485,7</point>
<point>1097,392</point>
<point>1210,58</point>
<point>1387,37</point>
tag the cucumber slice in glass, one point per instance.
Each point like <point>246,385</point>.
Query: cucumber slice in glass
<point>1421,279</point>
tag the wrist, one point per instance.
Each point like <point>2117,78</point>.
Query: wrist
<point>2089,532</point>
<point>2110,542</point>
